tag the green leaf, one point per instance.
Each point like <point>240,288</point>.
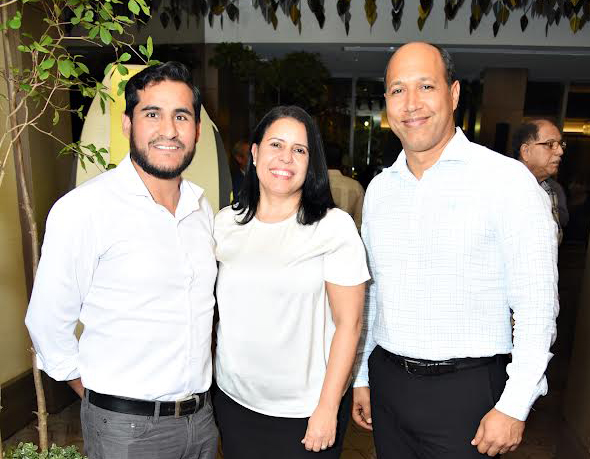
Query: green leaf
<point>46,40</point>
<point>100,159</point>
<point>43,75</point>
<point>121,87</point>
<point>142,50</point>
<point>83,67</point>
<point>38,47</point>
<point>122,69</point>
<point>78,11</point>
<point>124,19</point>
<point>93,32</point>
<point>55,118</point>
<point>108,68</point>
<point>111,166</point>
<point>150,47</point>
<point>125,57</point>
<point>47,64</point>
<point>103,106</point>
<point>144,7</point>
<point>105,36</point>
<point>65,67</point>
<point>133,7</point>
<point>23,49</point>
<point>104,14</point>
<point>16,21</point>
<point>89,16</point>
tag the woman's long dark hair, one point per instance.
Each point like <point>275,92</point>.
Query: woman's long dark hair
<point>316,197</point>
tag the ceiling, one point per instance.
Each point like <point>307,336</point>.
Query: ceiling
<point>368,61</point>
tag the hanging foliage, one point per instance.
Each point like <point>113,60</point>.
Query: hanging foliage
<point>424,8</point>
<point>577,12</point>
<point>317,8</point>
<point>397,9</point>
<point>343,8</point>
<point>371,11</point>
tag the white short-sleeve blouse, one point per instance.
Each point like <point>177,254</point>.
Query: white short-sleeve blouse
<point>275,323</point>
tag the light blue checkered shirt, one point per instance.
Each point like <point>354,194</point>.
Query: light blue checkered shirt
<point>451,255</point>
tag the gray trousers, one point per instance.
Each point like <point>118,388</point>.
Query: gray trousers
<point>110,435</point>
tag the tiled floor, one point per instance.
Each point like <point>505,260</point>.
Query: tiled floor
<point>542,426</point>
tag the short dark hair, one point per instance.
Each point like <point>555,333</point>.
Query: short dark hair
<point>237,148</point>
<point>447,60</point>
<point>526,133</point>
<point>333,155</point>
<point>316,197</point>
<point>170,71</point>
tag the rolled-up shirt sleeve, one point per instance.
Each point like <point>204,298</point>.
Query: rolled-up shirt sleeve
<point>529,245</point>
<point>62,281</point>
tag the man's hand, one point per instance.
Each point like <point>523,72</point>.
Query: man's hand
<point>498,433</point>
<point>76,385</point>
<point>361,407</point>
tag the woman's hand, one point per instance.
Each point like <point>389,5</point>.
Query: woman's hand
<point>321,429</point>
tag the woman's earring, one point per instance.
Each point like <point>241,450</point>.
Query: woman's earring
<point>254,162</point>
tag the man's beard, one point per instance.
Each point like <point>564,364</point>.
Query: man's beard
<point>140,157</point>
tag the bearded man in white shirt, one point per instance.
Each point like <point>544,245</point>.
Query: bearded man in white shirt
<point>457,237</point>
<point>131,255</point>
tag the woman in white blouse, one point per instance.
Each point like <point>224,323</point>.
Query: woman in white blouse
<point>290,291</point>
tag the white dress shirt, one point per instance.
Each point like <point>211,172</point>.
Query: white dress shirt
<point>275,323</point>
<point>139,279</point>
<point>451,255</point>
<point>348,195</point>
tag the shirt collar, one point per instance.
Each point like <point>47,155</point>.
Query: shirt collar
<point>190,194</point>
<point>456,150</point>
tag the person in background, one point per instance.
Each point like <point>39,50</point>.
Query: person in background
<point>290,294</point>
<point>539,146</point>
<point>347,192</point>
<point>457,237</point>
<point>237,165</point>
<point>130,254</point>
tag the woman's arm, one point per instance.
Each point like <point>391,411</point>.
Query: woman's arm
<point>346,303</point>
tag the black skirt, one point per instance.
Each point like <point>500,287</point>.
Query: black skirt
<point>246,434</point>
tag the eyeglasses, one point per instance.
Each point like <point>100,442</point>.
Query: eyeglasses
<point>553,144</point>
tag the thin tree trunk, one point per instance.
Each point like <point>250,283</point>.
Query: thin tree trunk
<point>27,207</point>
<point>41,408</point>
<point>1,452</point>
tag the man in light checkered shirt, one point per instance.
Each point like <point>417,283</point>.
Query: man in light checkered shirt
<point>458,237</point>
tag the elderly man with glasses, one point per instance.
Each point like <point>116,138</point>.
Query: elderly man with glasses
<point>538,145</point>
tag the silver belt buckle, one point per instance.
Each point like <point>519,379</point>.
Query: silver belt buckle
<point>178,402</point>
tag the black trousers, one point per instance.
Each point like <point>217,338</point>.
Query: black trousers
<point>246,434</point>
<point>430,417</point>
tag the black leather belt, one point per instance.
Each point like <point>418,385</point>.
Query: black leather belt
<point>439,367</point>
<point>146,408</point>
